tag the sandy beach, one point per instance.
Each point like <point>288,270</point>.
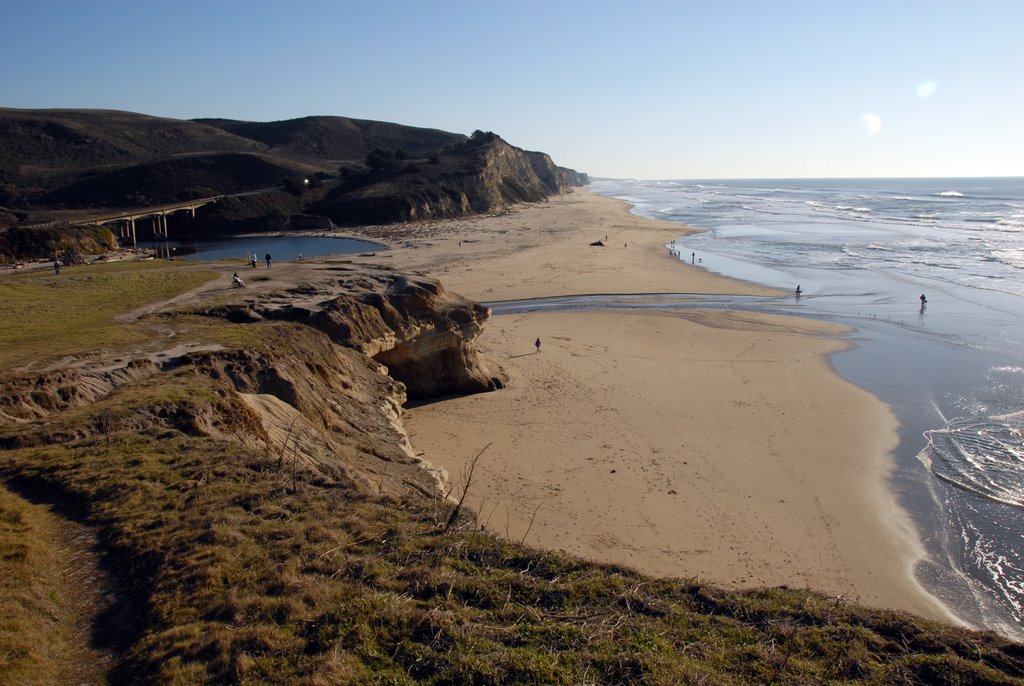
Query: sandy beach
<point>718,445</point>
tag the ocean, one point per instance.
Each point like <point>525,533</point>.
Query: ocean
<point>950,364</point>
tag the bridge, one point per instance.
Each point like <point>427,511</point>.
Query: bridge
<point>158,213</point>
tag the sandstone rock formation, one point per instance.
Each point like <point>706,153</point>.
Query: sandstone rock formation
<point>336,361</point>
<point>484,174</point>
<point>424,335</point>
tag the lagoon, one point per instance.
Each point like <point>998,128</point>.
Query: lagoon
<point>282,248</point>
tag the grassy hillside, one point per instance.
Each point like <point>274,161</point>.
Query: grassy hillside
<point>177,178</point>
<point>72,157</point>
<point>224,559</point>
<point>61,164</point>
<point>46,148</point>
<point>337,139</point>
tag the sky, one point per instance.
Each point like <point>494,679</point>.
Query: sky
<point>641,89</point>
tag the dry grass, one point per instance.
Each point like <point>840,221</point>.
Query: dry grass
<point>246,573</point>
<point>238,567</point>
<point>33,611</point>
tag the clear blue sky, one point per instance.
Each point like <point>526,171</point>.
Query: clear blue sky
<point>684,89</point>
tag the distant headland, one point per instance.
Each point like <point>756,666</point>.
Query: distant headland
<point>69,166</point>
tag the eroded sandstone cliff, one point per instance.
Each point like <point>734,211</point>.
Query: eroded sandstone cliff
<point>484,174</point>
<point>321,384</point>
<point>424,335</point>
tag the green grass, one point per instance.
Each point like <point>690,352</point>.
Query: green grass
<point>48,316</point>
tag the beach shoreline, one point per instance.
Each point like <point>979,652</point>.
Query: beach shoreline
<point>719,445</point>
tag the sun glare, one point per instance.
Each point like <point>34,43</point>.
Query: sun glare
<point>926,88</point>
<point>872,123</point>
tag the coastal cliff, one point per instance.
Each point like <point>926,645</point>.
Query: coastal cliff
<point>424,335</point>
<point>336,361</point>
<point>58,166</point>
<point>219,489</point>
<point>481,175</point>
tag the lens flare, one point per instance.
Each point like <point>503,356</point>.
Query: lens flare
<point>926,88</point>
<point>872,123</point>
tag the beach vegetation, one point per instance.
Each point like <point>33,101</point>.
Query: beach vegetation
<point>20,243</point>
<point>225,563</point>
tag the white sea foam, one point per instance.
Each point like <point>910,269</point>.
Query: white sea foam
<point>965,248</point>
<point>982,456</point>
<point>1009,369</point>
<point>1011,222</point>
<point>1010,256</point>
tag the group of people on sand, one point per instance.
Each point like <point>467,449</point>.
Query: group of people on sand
<point>252,259</point>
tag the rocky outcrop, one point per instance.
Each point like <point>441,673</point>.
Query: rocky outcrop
<point>436,351</point>
<point>324,388</point>
<point>43,242</point>
<point>555,179</point>
<point>485,174</point>
<point>424,335</point>
<point>573,178</point>
<point>32,397</point>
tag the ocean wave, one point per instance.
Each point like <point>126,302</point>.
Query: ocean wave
<point>1011,369</point>
<point>1014,222</point>
<point>982,456</point>
<point>849,208</point>
<point>1011,256</point>
<point>949,194</point>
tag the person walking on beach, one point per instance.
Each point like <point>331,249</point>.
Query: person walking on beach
<point>252,259</point>
<point>693,258</point>
<point>537,343</point>
<point>268,260</point>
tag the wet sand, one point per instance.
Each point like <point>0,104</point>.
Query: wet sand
<point>718,445</point>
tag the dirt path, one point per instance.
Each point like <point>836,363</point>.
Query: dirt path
<point>74,619</point>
